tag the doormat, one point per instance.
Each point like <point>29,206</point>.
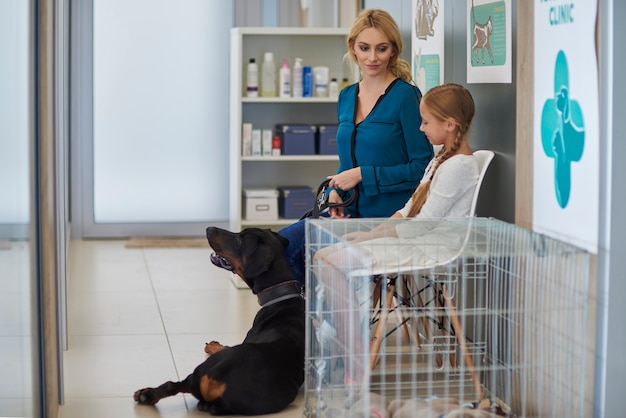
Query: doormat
<point>154,242</point>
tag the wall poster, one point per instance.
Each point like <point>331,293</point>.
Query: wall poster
<point>427,35</point>
<point>566,144</point>
<point>489,41</point>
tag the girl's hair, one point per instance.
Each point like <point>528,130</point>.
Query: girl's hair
<point>381,20</point>
<point>446,102</point>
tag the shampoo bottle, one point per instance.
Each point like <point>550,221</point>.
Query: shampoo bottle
<point>296,84</point>
<point>268,81</point>
<point>285,79</point>
<point>252,80</point>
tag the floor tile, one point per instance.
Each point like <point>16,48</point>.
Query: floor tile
<point>97,266</point>
<point>114,313</point>
<point>116,366</point>
<point>123,407</point>
<point>207,312</point>
<point>15,363</point>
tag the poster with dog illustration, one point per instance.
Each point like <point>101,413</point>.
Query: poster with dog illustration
<point>566,144</point>
<point>489,41</point>
<point>427,43</point>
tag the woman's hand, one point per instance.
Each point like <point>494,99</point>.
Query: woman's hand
<point>346,180</point>
<point>336,212</point>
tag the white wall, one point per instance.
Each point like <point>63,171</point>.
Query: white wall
<point>14,183</point>
<point>160,108</point>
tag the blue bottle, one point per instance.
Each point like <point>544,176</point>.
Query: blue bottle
<point>307,82</point>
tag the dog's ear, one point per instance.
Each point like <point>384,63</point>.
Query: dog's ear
<point>257,254</point>
<point>284,241</point>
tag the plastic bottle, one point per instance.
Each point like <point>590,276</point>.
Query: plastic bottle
<point>284,79</point>
<point>252,80</point>
<point>296,84</point>
<point>268,80</point>
<point>333,88</point>
<point>307,82</point>
<point>344,84</point>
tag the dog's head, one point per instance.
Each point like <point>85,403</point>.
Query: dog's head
<point>256,255</point>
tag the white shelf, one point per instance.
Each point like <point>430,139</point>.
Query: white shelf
<point>262,223</point>
<point>269,158</point>
<point>288,100</point>
<point>316,46</point>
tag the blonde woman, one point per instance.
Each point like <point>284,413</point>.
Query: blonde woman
<point>381,150</point>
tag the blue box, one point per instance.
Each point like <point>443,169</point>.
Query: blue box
<point>327,139</point>
<point>295,201</point>
<point>296,139</point>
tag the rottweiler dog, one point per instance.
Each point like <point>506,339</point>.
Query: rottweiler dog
<point>263,374</point>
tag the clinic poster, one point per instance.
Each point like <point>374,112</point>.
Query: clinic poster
<point>427,43</point>
<point>566,129</point>
<point>489,53</point>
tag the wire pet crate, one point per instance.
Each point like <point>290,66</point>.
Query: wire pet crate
<point>464,313</point>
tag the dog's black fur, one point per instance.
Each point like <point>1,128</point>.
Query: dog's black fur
<point>263,374</point>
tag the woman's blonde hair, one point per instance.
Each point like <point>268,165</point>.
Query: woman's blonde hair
<point>381,20</point>
<point>446,102</point>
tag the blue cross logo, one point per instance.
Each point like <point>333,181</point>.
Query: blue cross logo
<point>562,130</point>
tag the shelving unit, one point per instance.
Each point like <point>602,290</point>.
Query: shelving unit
<point>316,46</point>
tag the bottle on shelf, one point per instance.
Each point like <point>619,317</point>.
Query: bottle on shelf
<point>333,88</point>
<point>276,146</point>
<point>344,84</point>
<point>307,82</point>
<point>296,84</point>
<point>252,80</point>
<point>268,80</point>
<point>284,78</point>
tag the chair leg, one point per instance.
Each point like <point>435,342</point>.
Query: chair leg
<point>400,295</point>
<point>380,325</point>
<point>425,317</point>
<point>460,338</point>
<point>376,295</point>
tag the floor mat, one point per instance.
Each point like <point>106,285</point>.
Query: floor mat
<point>155,242</point>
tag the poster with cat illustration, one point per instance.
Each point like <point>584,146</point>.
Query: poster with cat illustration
<point>427,43</point>
<point>489,41</point>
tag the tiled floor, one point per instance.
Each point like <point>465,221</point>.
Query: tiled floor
<point>140,317</point>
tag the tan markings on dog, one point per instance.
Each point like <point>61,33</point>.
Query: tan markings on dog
<point>211,389</point>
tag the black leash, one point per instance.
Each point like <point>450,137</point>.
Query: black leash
<point>322,203</point>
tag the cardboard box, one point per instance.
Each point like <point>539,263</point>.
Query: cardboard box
<point>295,201</point>
<point>260,204</point>
<point>296,139</point>
<point>327,139</point>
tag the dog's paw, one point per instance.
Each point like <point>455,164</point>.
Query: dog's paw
<point>145,397</point>
<point>213,347</point>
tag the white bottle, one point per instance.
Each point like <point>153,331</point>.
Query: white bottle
<point>284,79</point>
<point>296,84</point>
<point>268,80</point>
<point>252,81</point>
<point>333,88</point>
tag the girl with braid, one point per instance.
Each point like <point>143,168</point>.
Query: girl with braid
<point>445,191</point>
